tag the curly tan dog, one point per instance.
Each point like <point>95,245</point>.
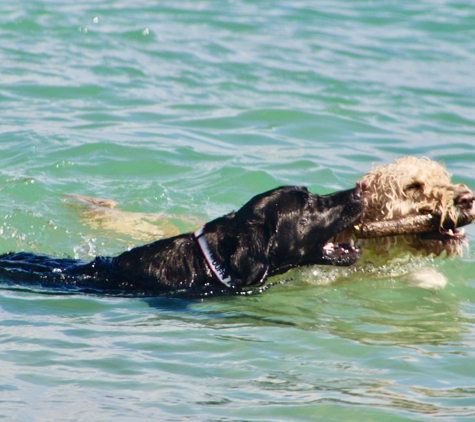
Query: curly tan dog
<point>413,186</point>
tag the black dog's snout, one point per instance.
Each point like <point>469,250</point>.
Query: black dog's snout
<point>358,194</point>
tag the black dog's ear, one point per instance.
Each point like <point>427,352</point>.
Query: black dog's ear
<point>250,262</point>
<point>251,268</point>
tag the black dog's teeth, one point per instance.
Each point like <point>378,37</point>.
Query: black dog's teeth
<point>332,248</point>
<point>329,248</point>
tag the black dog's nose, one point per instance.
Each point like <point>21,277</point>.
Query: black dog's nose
<point>465,200</point>
<point>358,194</point>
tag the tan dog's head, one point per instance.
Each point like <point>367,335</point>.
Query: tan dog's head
<point>413,186</point>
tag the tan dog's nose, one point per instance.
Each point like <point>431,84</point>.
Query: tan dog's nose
<point>465,200</point>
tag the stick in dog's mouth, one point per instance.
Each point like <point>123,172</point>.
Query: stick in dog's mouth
<point>426,226</point>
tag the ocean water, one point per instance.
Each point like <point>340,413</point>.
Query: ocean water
<point>188,109</point>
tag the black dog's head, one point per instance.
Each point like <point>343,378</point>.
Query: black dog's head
<point>283,228</point>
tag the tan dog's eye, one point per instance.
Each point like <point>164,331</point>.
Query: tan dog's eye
<point>414,186</point>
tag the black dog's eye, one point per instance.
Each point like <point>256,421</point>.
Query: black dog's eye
<point>303,221</point>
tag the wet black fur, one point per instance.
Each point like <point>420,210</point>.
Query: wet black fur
<point>275,231</point>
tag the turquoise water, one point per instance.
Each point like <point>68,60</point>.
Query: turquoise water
<point>189,109</point>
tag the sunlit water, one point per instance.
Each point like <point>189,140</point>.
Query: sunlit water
<point>189,109</point>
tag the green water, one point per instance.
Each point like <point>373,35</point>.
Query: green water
<point>189,109</point>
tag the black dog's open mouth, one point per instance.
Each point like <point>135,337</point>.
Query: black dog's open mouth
<point>340,254</point>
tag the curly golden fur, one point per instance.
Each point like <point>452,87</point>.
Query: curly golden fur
<point>412,186</point>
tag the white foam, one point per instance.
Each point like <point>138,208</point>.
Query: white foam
<point>427,278</point>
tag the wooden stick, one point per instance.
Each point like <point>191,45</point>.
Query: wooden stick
<point>407,225</point>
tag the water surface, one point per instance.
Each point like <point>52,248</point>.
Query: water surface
<point>189,109</point>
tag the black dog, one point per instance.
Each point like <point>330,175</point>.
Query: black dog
<point>277,230</point>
